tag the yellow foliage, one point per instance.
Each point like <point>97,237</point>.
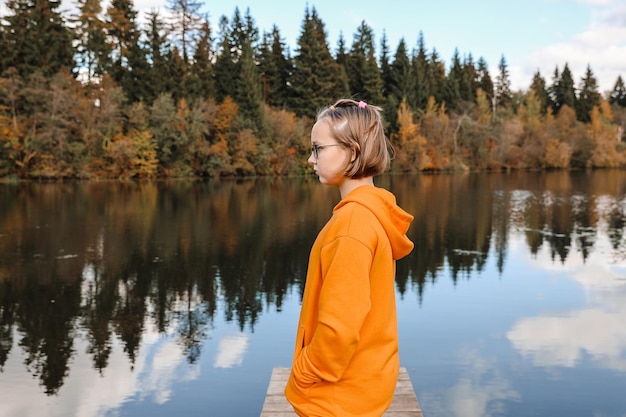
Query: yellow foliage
<point>226,115</point>
<point>558,154</point>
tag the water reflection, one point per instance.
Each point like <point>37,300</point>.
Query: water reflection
<point>131,278</point>
<point>598,331</point>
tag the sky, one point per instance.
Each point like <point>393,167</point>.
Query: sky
<point>532,35</point>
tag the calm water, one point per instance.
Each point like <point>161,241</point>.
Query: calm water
<point>179,298</point>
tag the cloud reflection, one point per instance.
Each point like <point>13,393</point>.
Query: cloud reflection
<point>598,330</point>
<point>86,393</point>
<point>480,392</point>
<point>231,350</point>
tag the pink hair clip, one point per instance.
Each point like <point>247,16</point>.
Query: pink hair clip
<point>362,104</point>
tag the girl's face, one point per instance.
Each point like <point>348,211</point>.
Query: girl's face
<point>330,162</point>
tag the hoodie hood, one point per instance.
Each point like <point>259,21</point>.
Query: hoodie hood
<point>394,219</point>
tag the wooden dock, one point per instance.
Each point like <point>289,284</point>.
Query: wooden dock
<point>404,402</point>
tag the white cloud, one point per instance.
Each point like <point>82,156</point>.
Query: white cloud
<point>602,46</point>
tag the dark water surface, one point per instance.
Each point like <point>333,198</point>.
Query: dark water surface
<point>178,298</point>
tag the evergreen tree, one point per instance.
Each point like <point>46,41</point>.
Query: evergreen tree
<point>484,79</point>
<point>315,81</point>
<point>436,77</point>
<point>123,33</point>
<point>248,95</point>
<point>275,69</point>
<point>588,96</point>
<point>36,38</point>
<point>419,89</point>
<point>157,49</point>
<point>92,50</point>
<point>618,94</point>
<point>503,95</point>
<point>454,80</point>
<point>385,66</point>
<point>469,81</point>
<point>399,87</point>
<point>363,73</point>
<point>562,91</point>
<point>538,87</point>
<point>225,64</point>
<point>341,58</point>
<point>200,80</point>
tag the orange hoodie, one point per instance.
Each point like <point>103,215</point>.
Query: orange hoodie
<point>346,356</point>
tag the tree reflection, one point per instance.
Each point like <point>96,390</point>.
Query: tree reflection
<point>106,261</point>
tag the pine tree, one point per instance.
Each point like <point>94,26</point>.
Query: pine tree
<point>562,91</point>
<point>484,79</point>
<point>363,73</point>
<point>419,90</point>
<point>618,94</point>
<point>588,96</point>
<point>157,49</point>
<point>316,79</point>
<point>341,58</point>
<point>92,50</point>
<point>200,80</point>
<point>503,95</point>
<point>469,81</point>
<point>454,81</point>
<point>225,64</point>
<point>385,66</point>
<point>435,77</point>
<point>248,94</point>
<point>538,87</point>
<point>275,69</point>
<point>123,34</point>
<point>399,87</point>
<point>36,38</point>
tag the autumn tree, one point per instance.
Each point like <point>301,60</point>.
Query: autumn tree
<point>484,79</point>
<point>185,24</point>
<point>540,92</point>
<point>409,142</point>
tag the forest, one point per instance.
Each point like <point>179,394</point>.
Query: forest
<point>103,93</point>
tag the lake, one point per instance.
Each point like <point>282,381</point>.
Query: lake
<point>179,297</point>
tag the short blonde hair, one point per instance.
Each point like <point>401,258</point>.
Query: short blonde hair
<point>359,126</point>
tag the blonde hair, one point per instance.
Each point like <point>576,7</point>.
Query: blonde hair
<point>359,126</point>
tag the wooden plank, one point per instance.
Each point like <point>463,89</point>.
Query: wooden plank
<point>404,403</point>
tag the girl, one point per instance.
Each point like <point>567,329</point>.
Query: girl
<point>346,357</point>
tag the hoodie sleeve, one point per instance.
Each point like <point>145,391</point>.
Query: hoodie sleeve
<point>344,304</point>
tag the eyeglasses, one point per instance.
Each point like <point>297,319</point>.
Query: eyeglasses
<point>315,149</point>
